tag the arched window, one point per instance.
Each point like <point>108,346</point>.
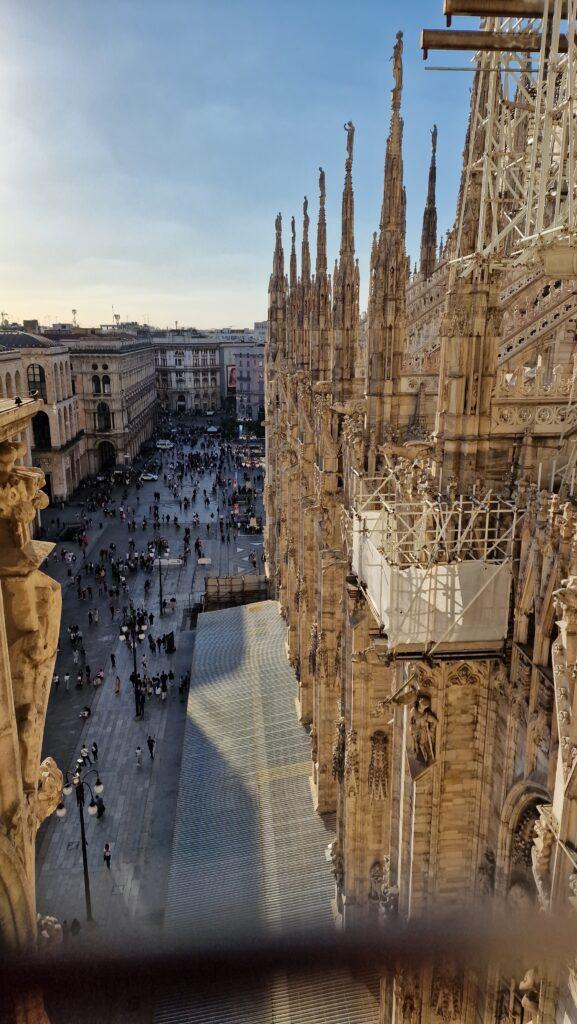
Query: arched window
<point>9,389</point>
<point>41,431</point>
<point>66,425</point>
<point>1,388</point>
<point>17,382</point>
<point>62,381</point>
<point>179,357</point>
<point>36,380</point>
<point>96,389</point>
<point>103,417</point>
<point>106,384</point>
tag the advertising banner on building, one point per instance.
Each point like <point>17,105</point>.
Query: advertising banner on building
<point>231,378</point>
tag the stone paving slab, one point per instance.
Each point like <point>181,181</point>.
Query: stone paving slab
<point>248,846</point>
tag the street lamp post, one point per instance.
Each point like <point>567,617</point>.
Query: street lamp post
<point>78,783</point>
<point>134,627</point>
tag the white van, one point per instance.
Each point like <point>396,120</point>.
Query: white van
<point>165,446</point>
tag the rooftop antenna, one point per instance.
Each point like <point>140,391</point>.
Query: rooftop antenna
<point>176,325</point>
<point>116,318</point>
<point>75,318</point>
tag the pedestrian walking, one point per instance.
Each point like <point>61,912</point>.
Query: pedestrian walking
<point>107,855</point>
<point>100,807</point>
<point>139,757</point>
<point>85,755</point>
<point>94,751</point>
<point>117,685</point>
<point>112,661</point>
<point>67,680</point>
<point>56,682</point>
<point>151,743</point>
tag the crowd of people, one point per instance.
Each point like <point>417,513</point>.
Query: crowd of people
<point>214,484</point>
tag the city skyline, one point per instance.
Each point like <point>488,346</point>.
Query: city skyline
<point>144,155</point>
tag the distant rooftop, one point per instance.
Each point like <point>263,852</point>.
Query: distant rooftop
<point>14,339</point>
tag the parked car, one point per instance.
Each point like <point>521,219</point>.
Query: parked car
<point>148,476</point>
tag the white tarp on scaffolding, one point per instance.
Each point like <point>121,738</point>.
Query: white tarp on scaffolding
<point>446,603</point>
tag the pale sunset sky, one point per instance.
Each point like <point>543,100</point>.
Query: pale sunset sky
<point>148,144</point>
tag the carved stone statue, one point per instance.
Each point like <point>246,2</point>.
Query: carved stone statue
<point>352,764</point>
<point>375,881</point>
<point>543,844</point>
<point>29,791</point>
<point>378,767</point>
<point>397,60</point>
<point>350,130</point>
<point>529,986</point>
<point>423,728</point>
<point>339,751</point>
<point>314,740</point>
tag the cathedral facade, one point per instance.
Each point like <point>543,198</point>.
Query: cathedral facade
<point>421,538</point>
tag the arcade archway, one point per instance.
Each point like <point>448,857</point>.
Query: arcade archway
<point>106,455</point>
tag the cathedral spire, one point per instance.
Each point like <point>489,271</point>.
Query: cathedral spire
<point>348,207</point>
<point>305,250</point>
<point>392,210</point>
<point>322,227</point>
<point>277,297</point>
<point>429,232</point>
<point>293,260</point>
<point>346,290</point>
<point>386,312</point>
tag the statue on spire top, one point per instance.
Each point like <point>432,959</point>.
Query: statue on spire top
<point>434,138</point>
<point>293,231</point>
<point>350,130</point>
<point>278,224</point>
<point>397,59</point>
<point>322,185</point>
<point>306,218</point>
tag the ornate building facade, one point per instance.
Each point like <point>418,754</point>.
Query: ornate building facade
<point>421,539</point>
<point>34,365</point>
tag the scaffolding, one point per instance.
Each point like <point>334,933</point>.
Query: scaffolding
<point>520,164</point>
<point>437,571</point>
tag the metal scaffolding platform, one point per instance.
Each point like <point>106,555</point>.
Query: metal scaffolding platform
<point>437,572</point>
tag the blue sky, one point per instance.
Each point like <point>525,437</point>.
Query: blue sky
<point>147,145</point>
